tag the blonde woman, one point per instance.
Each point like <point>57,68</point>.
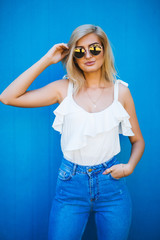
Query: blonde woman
<point>94,108</point>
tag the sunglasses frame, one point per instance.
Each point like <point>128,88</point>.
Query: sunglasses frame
<point>94,44</point>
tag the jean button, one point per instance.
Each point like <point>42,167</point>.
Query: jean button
<point>90,170</point>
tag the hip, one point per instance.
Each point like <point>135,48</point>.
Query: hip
<point>87,183</point>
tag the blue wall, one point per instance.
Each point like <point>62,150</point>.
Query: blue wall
<point>30,151</point>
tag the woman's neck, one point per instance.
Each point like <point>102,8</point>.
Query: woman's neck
<point>93,80</point>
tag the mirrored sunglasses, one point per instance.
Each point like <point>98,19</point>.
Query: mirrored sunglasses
<point>94,49</point>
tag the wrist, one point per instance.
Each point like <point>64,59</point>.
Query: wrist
<point>129,168</point>
<point>47,60</point>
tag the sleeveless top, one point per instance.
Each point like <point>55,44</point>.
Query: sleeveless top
<point>91,138</point>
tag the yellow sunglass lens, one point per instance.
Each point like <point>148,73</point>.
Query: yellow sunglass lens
<point>95,48</point>
<point>77,50</point>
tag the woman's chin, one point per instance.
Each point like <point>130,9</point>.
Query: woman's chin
<point>88,70</point>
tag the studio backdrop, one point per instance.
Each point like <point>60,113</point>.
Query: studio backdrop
<point>30,152</point>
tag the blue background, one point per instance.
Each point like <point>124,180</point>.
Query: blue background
<point>30,152</point>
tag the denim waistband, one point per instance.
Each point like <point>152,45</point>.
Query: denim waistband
<point>83,168</point>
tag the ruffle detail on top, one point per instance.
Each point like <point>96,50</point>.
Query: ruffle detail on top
<point>63,109</point>
<point>79,124</point>
<point>125,127</point>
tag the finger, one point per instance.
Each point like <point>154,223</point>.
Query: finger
<point>63,49</point>
<point>64,54</point>
<point>66,45</point>
<point>60,46</point>
<point>63,45</point>
<point>108,171</point>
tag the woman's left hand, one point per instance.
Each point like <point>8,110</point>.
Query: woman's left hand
<point>119,170</point>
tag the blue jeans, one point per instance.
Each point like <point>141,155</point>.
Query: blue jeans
<point>82,189</point>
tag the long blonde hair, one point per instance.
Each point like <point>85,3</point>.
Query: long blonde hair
<point>74,73</point>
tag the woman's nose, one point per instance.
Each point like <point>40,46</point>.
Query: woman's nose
<point>88,54</point>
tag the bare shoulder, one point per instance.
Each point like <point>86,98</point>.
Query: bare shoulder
<point>123,93</point>
<point>62,87</point>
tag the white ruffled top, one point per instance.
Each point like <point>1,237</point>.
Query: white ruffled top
<point>91,138</point>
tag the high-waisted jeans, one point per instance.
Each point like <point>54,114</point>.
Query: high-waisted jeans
<point>82,189</point>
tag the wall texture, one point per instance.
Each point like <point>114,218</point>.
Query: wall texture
<point>30,151</point>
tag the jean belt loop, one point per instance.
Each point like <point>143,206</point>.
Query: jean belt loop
<point>104,164</point>
<point>74,168</point>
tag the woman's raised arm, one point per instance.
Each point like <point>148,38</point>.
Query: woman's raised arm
<point>16,93</point>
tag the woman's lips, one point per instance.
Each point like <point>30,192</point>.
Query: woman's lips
<point>89,63</point>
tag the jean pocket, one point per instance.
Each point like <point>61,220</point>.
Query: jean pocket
<point>110,175</point>
<point>115,162</point>
<point>65,173</point>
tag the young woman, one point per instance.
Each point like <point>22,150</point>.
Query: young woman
<point>94,108</point>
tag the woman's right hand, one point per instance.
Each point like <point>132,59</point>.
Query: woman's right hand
<point>57,52</point>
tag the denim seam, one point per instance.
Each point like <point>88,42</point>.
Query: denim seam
<point>87,172</point>
<point>97,194</point>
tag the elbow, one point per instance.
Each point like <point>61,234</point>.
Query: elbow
<point>142,144</point>
<point>4,100</point>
